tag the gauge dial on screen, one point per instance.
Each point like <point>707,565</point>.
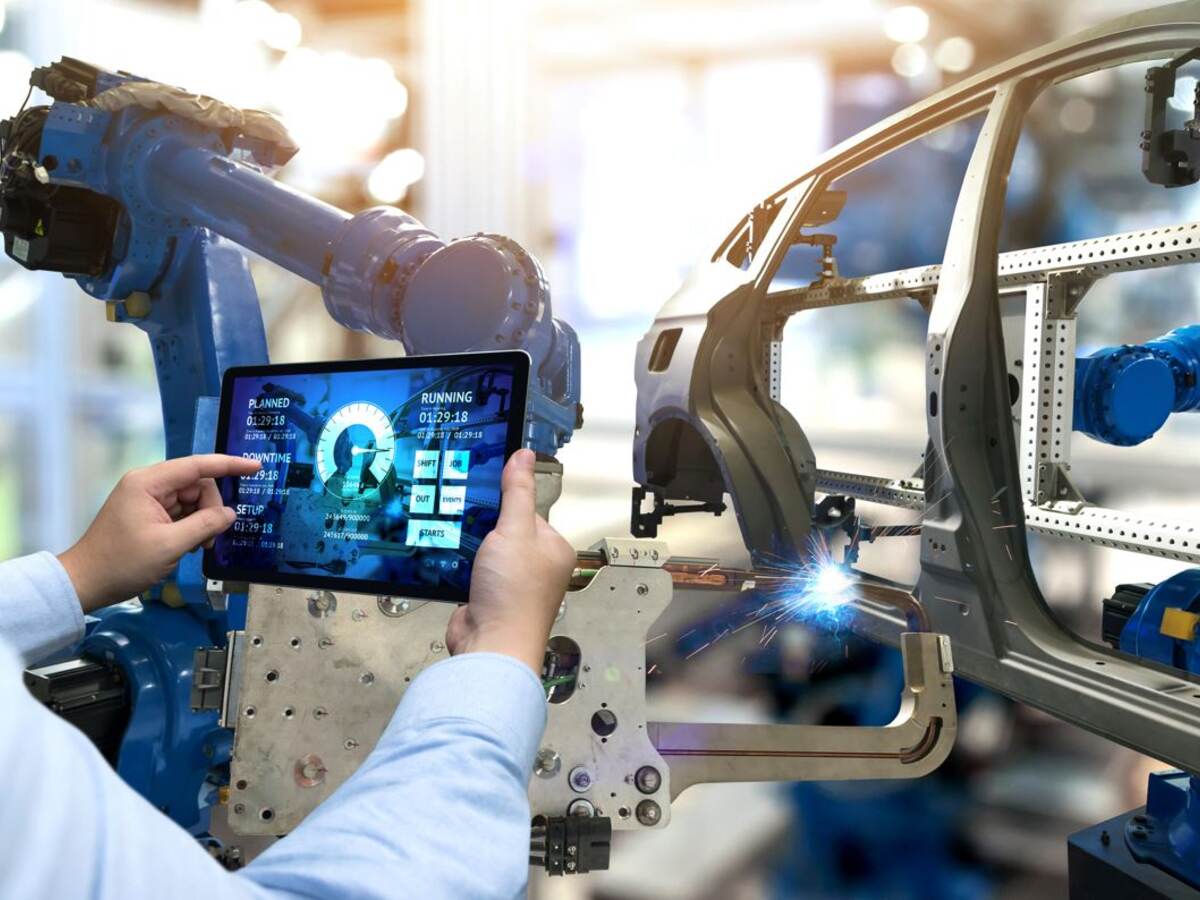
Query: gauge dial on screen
<point>355,449</point>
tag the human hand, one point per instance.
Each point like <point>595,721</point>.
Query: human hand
<point>521,572</point>
<point>152,517</point>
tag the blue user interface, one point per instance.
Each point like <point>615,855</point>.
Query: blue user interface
<point>387,476</point>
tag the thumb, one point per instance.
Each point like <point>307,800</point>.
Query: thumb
<point>191,531</point>
<point>457,629</point>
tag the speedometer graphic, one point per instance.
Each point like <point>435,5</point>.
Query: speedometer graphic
<point>355,450</point>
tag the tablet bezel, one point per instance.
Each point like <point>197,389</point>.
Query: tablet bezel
<point>518,359</point>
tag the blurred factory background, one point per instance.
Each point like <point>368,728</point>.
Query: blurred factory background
<point>619,141</point>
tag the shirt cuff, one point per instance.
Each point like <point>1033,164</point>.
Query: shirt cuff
<point>495,690</point>
<point>42,613</point>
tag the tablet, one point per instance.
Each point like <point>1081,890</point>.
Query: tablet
<point>378,476</point>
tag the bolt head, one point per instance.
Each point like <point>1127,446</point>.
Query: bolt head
<point>547,764</point>
<point>649,813</point>
<point>648,779</point>
<point>580,779</point>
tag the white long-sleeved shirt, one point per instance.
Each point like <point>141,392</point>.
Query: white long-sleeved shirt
<point>439,808</point>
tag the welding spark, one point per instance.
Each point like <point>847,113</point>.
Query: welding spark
<point>819,591</point>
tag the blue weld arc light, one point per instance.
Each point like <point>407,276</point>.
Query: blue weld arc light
<point>824,596</point>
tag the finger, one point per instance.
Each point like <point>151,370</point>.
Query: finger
<point>457,630</point>
<point>193,531</point>
<point>176,474</point>
<point>174,511</point>
<point>189,494</point>
<point>210,495</point>
<point>518,500</point>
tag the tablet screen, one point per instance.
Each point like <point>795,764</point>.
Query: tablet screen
<point>378,476</point>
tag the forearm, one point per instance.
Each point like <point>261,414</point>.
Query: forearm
<point>70,828</point>
<point>39,611</point>
<point>440,807</point>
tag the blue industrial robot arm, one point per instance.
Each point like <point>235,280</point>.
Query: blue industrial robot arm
<point>1123,395</point>
<point>146,195</point>
<point>178,179</point>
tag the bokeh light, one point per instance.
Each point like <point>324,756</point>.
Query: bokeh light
<point>390,180</point>
<point>910,60</point>
<point>906,24</point>
<point>954,54</point>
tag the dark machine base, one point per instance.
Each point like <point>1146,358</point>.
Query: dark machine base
<point>1100,867</point>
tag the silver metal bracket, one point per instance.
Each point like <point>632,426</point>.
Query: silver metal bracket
<point>914,744</point>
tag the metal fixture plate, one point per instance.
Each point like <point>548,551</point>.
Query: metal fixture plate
<point>610,620</point>
<point>340,668</point>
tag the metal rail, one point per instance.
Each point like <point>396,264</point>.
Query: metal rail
<point>1092,258</point>
<point>1054,280</point>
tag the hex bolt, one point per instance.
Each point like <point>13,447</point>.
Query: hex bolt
<point>642,590</point>
<point>239,808</point>
<point>367,678</point>
<point>547,764</point>
<point>580,779</point>
<point>649,813</point>
<point>648,779</point>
